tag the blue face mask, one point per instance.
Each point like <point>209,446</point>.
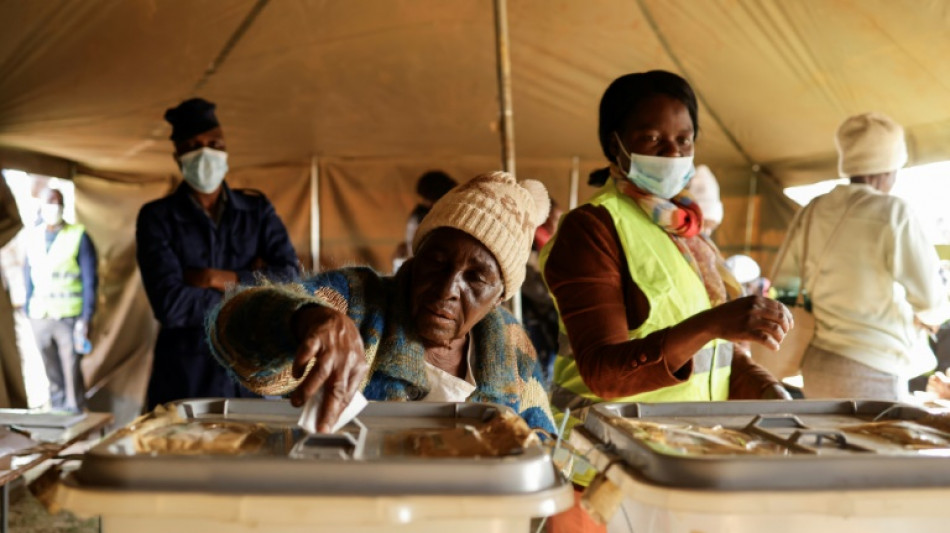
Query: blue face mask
<point>204,168</point>
<point>664,177</point>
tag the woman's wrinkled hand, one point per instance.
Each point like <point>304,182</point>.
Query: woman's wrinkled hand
<point>752,318</point>
<point>332,340</point>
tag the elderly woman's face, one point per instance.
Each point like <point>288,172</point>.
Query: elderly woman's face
<point>658,126</point>
<point>455,283</point>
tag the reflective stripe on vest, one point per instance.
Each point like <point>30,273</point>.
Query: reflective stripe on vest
<point>562,398</point>
<point>57,287</point>
<point>674,291</point>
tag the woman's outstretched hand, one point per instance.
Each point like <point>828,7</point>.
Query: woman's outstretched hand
<point>330,339</point>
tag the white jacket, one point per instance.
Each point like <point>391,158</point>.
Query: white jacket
<point>880,271</point>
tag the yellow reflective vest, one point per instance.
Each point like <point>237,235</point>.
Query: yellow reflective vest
<point>675,292</point>
<point>57,288</point>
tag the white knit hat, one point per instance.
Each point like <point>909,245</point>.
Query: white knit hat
<point>870,143</point>
<point>705,190</point>
<point>501,213</point>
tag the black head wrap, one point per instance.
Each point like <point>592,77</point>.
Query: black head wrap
<point>191,118</point>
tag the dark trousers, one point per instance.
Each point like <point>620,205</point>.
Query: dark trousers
<point>54,338</point>
<point>184,368</point>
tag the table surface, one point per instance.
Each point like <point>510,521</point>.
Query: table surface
<point>52,440</point>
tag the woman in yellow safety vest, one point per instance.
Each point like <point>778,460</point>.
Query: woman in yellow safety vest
<point>649,310</point>
<point>648,307</point>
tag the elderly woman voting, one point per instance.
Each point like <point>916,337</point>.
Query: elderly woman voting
<point>434,331</point>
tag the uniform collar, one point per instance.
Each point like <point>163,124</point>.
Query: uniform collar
<point>237,201</point>
<point>233,198</point>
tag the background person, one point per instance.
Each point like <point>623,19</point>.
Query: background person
<point>61,280</point>
<point>538,313</point>
<point>195,243</point>
<point>748,273</point>
<point>12,385</point>
<point>704,187</point>
<point>872,275</point>
<point>431,186</point>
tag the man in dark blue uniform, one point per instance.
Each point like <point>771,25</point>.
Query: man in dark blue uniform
<point>192,245</point>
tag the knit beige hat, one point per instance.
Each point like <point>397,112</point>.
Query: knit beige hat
<point>870,143</point>
<point>501,213</point>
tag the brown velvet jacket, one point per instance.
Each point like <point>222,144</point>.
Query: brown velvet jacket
<point>584,271</point>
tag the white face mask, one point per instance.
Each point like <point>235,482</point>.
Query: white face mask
<point>52,214</point>
<point>661,176</point>
<point>204,168</point>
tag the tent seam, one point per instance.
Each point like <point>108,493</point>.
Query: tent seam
<point>232,42</point>
<point>712,113</point>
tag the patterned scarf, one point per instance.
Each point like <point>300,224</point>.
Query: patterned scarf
<point>682,219</point>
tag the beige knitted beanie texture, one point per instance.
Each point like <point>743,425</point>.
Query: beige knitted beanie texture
<point>500,212</point>
<point>870,143</point>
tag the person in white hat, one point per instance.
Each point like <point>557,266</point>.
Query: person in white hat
<point>705,190</point>
<point>871,274</point>
<point>748,273</point>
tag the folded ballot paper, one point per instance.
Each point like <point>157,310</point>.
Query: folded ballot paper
<point>308,416</point>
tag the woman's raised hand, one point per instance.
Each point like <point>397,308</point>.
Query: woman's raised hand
<point>332,340</point>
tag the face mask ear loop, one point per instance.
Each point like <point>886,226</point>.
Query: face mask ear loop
<point>625,153</point>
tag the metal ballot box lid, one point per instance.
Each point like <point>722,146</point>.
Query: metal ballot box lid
<point>805,445</point>
<point>354,461</point>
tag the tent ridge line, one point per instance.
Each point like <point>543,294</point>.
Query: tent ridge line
<point>676,61</point>
<point>232,42</point>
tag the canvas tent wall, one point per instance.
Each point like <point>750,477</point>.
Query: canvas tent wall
<point>349,101</point>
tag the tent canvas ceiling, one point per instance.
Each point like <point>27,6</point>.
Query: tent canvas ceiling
<point>88,81</point>
<point>349,101</point>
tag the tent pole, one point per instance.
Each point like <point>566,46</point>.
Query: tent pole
<point>315,213</point>
<point>507,129</point>
<point>750,209</point>
<point>575,177</point>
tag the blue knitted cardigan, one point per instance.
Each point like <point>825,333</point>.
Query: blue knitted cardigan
<point>252,325</point>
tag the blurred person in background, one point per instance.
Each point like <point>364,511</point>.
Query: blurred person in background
<point>705,190</point>
<point>872,274</point>
<point>538,313</point>
<point>194,244</point>
<point>12,387</point>
<point>61,280</point>
<point>431,186</point>
<point>748,273</point>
